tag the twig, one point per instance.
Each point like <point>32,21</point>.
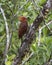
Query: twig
<point>40,30</point>
<point>35,4</point>
<point>27,58</point>
<point>7,35</point>
<point>39,37</point>
<point>20,8</point>
<point>46,24</point>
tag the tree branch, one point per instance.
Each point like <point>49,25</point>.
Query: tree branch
<point>7,36</point>
<point>40,30</point>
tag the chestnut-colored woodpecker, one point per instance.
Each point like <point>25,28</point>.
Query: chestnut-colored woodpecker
<point>22,27</point>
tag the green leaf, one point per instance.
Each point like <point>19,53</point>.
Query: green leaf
<point>8,63</point>
<point>42,2</point>
<point>1,28</point>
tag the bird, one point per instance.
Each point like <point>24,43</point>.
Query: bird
<point>22,27</point>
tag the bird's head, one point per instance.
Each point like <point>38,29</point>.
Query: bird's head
<point>22,19</point>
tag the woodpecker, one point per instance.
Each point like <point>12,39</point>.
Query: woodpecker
<point>22,27</point>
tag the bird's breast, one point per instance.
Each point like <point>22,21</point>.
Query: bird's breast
<point>22,29</point>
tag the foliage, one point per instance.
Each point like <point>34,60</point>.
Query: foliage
<point>10,7</point>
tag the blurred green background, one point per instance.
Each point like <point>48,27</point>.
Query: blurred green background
<point>29,9</point>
